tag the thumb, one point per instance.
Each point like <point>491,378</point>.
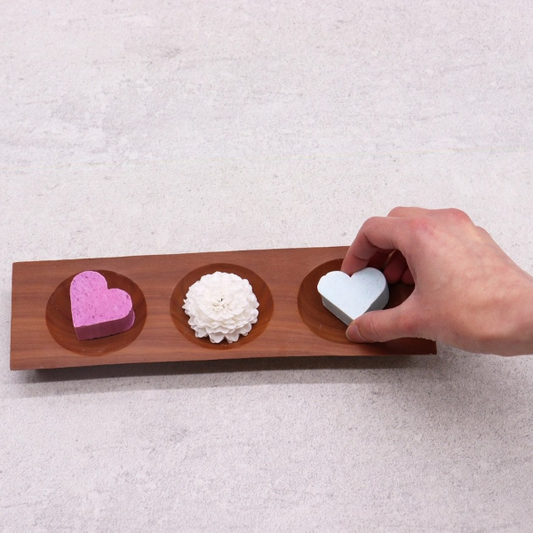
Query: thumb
<point>381,326</point>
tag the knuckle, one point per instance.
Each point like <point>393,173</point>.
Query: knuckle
<point>421,226</point>
<point>372,220</point>
<point>482,231</point>
<point>397,211</point>
<point>457,215</point>
<point>369,222</point>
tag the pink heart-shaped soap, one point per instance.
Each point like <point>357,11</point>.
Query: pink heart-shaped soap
<point>98,311</point>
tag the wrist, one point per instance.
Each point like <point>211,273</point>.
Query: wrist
<point>518,337</point>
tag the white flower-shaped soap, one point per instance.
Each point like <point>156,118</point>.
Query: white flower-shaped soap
<point>221,306</point>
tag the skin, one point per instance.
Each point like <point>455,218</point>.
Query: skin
<point>467,292</point>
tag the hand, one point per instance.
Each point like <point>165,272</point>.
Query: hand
<point>468,293</point>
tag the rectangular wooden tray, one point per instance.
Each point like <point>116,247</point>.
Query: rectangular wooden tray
<point>292,320</point>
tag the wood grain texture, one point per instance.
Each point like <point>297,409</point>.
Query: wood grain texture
<point>292,320</point>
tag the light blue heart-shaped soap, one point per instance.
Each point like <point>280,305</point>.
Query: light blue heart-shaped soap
<point>348,297</point>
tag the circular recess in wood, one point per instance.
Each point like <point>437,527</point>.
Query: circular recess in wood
<point>261,291</point>
<point>313,313</point>
<point>59,317</point>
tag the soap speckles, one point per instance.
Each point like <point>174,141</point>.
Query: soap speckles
<point>98,311</point>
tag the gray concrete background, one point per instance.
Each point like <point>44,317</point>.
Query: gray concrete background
<point>154,127</point>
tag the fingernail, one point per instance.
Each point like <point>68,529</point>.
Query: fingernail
<point>353,333</point>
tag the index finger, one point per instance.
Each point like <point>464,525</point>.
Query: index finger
<point>377,234</point>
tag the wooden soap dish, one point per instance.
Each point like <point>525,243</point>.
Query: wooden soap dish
<point>292,320</point>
